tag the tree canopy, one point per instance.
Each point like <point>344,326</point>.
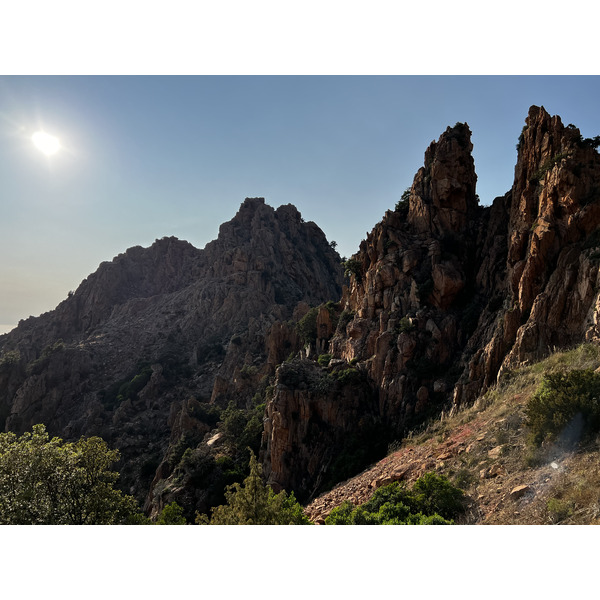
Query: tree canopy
<point>46,481</point>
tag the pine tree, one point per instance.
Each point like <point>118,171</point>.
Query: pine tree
<point>254,503</point>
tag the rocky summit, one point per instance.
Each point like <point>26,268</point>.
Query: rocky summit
<point>157,331</point>
<point>183,358</point>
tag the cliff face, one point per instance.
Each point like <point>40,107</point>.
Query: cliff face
<point>551,273</point>
<point>446,294</point>
<point>130,354</point>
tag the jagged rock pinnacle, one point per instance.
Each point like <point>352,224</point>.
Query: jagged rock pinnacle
<point>443,192</point>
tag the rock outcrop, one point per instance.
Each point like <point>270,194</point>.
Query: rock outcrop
<point>549,289</point>
<point>446,295</point>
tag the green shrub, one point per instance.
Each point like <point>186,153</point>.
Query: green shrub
<point>10,358</point>
<point>431,501</point>
<point>324,359</point>
<point>547,165</point>
<point>126,389</point>
<point>436,495</point>
<point>248,371</point>
<point>565,407</point>
<point>402,205</point>
<point>589,142</point>
<point>349,376</point>
<point>205,412</point>
<point>171,514</point>
<point>189,439</point>
<point>521,138</point>
<point>558,510</point>
<point>345,318</point>
<point>307,326</point>
<point>353,267</point>
<point>405,325</point>
<point>242,428</point>
<point>342,515</point>
<point>49,482</point>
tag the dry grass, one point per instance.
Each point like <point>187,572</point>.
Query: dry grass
<point>485,450</point>
<point>565,488</point>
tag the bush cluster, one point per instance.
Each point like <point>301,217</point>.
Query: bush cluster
<point>402,205</point>
<point>353,267</point>
<point>566,407</point>
<point>405,325</point>
<point>307,326</point>
<point>126,389</point>
<point>324,359</point>
<point>433,500</point>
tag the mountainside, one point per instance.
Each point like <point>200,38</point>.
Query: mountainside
<point>183,358</point>
<point>142,341</point>
<point>485,450</point>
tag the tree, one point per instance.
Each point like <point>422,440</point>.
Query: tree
<point>353,267</point>
<point>46,481</point>
<point>402,205</point>
<point>307,326</point>
<point>254,503</point>
<point>171,514</point>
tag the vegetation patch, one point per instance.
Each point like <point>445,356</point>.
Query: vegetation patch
<point>547,165</point>
<point>345,318</point>
<point>126,389</point>
<point>48,482</point>
<point>405,325</point>
<point>9,359</point>
<point>565,408</point>
<point>324,359</point>
<point>307,326</point>
<point>402,205</point>
<point>254,503</point>
<point>433,500</point>
<point>353,267</point>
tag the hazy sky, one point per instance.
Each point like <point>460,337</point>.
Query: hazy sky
<point>147,157</point>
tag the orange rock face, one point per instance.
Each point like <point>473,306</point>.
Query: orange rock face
<point>450,294</point>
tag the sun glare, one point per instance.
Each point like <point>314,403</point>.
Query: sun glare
<point>46,143</point>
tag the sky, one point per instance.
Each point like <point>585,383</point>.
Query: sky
<point>144,157</point>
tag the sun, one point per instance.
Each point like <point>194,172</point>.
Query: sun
<point>46,143</point>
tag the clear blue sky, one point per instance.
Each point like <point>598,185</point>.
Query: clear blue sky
<point>147,157</point>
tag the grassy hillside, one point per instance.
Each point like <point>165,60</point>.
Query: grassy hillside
<point>489,451</point>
